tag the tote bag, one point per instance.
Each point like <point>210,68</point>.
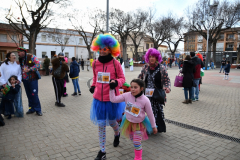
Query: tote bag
<point>178,81</point>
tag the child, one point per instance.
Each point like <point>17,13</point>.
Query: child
<point>9,92</point>
<point>135,123</point>
<point>227,70</point>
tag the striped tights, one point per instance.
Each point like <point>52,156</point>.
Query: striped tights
<point>137,140</point>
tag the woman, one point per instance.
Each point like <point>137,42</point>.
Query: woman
<point>82,64</point>
<point>188,70</point>
<point>200,57</point>
<point>154,74</point>
<point>74,73</point>
<point>106,68</point>
<point>8,69</point>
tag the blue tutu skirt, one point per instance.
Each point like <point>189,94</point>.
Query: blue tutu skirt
<point>106,111</point>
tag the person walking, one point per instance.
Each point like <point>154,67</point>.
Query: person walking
<point>155,75</point>
<point>223,63</point>
<point>74,74</point>
<point>227,70</point>
<point>30,65</point>
<point>198,65</point>
<point>46,65</point>
<point>131,64</point>
<point>59,71</point>
<point>7,69</point>
<point>82,64</point>
<point>106,69</point>
<point>88,64</point>
<point>188,71</point>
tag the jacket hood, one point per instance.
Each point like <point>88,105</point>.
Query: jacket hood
<point>74,63</point>
<point>188,62</point>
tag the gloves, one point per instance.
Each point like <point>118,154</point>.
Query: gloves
<point>92,89</point>
<point>113,85</point>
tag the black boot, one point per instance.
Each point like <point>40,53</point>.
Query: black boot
<point>101,156</point>
<point>116,140</point>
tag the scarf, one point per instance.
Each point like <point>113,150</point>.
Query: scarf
<point>153,66</point>
<point>105,59</point>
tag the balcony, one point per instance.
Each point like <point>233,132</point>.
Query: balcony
<point>200,40</point>
<point>230,39</point>
<point>228,49</point>
<point>221,39</point>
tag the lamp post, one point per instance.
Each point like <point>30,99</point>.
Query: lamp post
<point>107,17</point>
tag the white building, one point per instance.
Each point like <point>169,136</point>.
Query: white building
<point>52,41</point>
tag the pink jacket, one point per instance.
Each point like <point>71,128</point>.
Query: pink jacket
<point>142,102</point>
<point>101,91</point>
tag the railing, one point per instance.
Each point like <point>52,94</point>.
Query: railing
<point>229,49</point>
<point>230,39</point>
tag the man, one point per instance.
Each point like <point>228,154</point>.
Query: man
<point>46,65</point>
<point>82,64</point>
<point>59,71</point>
<point>29,65</point>
<point>223,63</point>
<point>198,65</point>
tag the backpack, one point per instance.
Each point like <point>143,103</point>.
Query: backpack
<point>58,71</point>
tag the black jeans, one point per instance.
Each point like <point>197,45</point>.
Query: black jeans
<point>47,70</point>
<point>82,67</point>
<point>58,88</point>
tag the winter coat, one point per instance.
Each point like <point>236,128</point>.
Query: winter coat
<point>198,65</point>
<point>101,91</point>
<point>74,69</point>
<point>188,73</point>
<point>56,64</point>
<point>227,68</point>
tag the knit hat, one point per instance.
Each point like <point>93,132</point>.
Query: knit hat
<point>60,54</point>
<point>21,49</point>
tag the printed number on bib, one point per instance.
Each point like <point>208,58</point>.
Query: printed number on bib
<point>149,92</point>
<point>103,77</point>
<point>132,109</point>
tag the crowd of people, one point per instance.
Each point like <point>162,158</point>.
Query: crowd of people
<point>139,111</point>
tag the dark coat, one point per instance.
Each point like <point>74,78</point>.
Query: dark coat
<point>198,65</point>
<point>74,69</point>
<point>56,64</point>
<point>188,73</point>
<point>227,68</point>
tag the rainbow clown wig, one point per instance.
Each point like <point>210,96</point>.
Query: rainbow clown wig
<point>153,52</point>
<point>199,56</point>
<point>106,40</point>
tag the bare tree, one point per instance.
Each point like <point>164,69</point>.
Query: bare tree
<point>137,35</point>
<point>176,36</point>
<point>34,16</point>
<point>121,24</point>
<point>222,15</point>
<point>95,22</point>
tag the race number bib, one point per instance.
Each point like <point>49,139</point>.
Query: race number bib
<point>132,109</point>
<point>149,92</point>
<point>103,77</point>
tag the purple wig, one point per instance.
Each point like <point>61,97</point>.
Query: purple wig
<point>153,52</point>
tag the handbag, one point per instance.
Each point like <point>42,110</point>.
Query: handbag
<point>178,80</point>
<point>58,71</point>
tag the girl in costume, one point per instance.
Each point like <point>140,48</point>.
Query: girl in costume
<point>106,68</point>
<point>9,92</point>
<point>200,57</point>
<point>135,124</point>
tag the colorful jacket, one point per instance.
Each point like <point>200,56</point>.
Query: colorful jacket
<point>33,64</point>
<point>142,102</point>
<point>198,65</point>
<point>101,91</point>
<point>164,75</point>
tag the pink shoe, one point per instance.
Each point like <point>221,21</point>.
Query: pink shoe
<point>138,154</point>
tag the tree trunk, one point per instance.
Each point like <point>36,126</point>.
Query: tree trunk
<point>32,43</point>
<point>208,56</point>
<point>136,53</point>
<point>124,47</point>
<point>89,53</point>
<point>214,52</point>
<point>155,45</point>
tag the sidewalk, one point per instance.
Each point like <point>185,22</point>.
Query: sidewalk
<point>68,133</point>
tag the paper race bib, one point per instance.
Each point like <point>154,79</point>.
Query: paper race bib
<point>103,77</point>
<point>132,109</point>
<point>149,92</point>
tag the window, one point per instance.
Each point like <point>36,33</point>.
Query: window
<point>44,54</point>
<point>239,37</point>
<point>200,38</point>
<point>67,54</point>
<point>230,36</point>
<point>3,38</point>
<point>230,46</point>
<point>147,46</point>
<point>221,36</point>
<point>199,47</point>
<point>66,40</point>
<point>151,45</point>
<point>219,46</point>
<point>53,39</point>
<point>44,38</point>
<point>80,40</point>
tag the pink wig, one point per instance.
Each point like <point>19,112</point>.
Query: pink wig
<point>153,52</point>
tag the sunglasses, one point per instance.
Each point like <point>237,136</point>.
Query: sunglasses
<point>104,49</point>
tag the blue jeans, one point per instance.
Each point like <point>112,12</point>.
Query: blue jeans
<point>31,88</point>
<point>18,104</point>
<point>195,90</point>
<point>186,93</point>
<point>76,85</point>
<point>222,67</point>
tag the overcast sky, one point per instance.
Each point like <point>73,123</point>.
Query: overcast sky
<point>177,7</point>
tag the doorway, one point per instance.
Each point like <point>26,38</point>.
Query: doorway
<point>3,55</point>
<point>53,53</point>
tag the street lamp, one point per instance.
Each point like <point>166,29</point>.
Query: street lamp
<point>107,16</point>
